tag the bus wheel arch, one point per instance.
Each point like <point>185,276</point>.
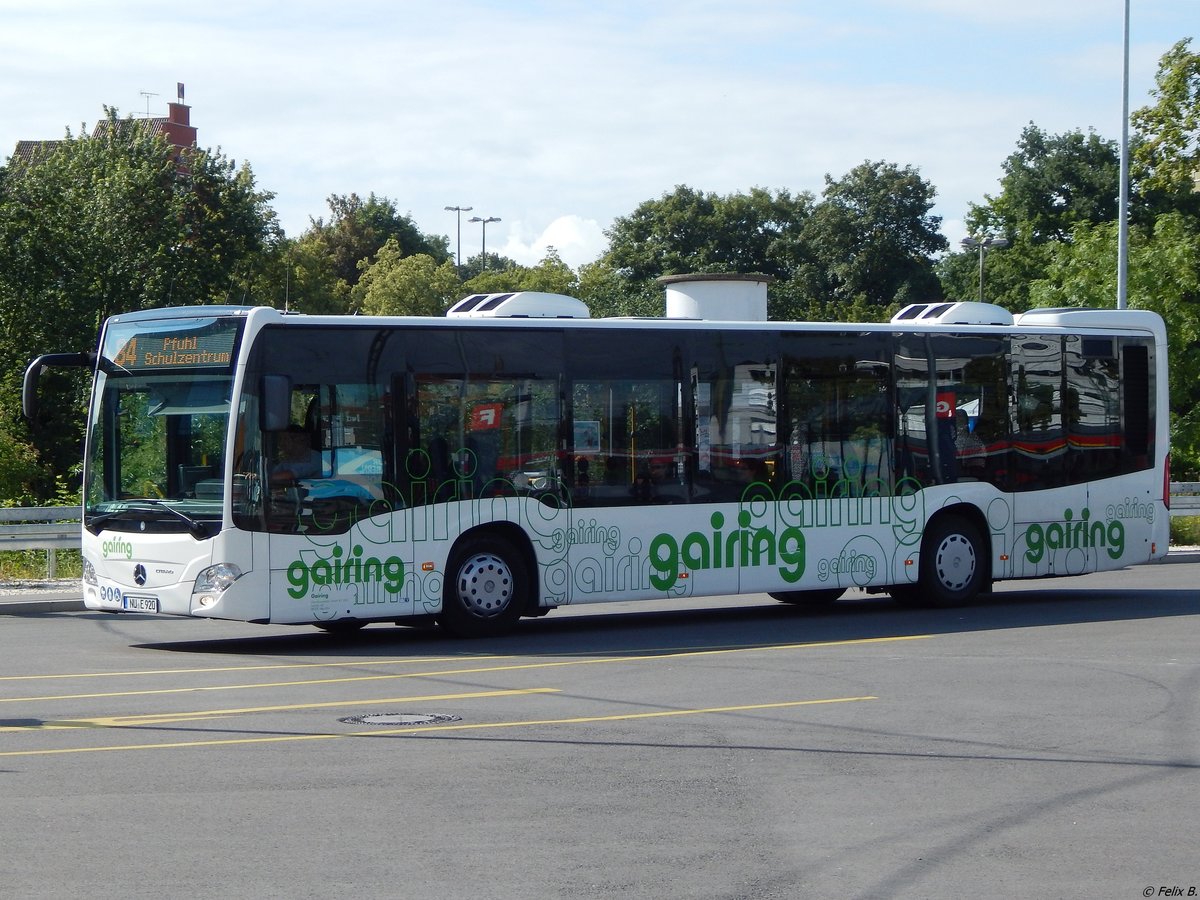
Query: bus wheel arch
<point>490,581</point>
<point>955,563</point>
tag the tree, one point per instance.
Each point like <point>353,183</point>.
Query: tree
<point>551,275</point>
<point>872,238</point>
<point>473,266</point>
<point>398,285</point>
<point>688,231</point>
<point>358,228</point>
<point>1167,155</point>
<point>327,260</point>
<point>609,292</point>
<point>108,224</point>
<point>1053,183</point>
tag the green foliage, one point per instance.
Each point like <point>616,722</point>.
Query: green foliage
<point>551,275</point>
<point>473,266</point>
<point>398,285</point>
<point>609,292</point>
<point>1008,273</point>
<point>109,224</point>
<point>1167,155</point>
<point>872,238</point>
<point>1051,184</point>
<point>330,254</point>
<point>18,463</point>
<point>1185,531</point>
<point>867,246</point>
<point>689,231</point>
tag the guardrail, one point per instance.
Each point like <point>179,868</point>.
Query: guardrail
<point>49,528</point>
<point>1185,498</point>
<point>53,528</point>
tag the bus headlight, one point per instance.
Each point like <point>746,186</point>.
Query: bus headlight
<point>89,572</point>
<point>213,582</point>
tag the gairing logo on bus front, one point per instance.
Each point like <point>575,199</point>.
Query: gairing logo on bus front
<point>117,547</point>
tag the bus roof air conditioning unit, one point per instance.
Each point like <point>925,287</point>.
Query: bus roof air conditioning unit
<point>519,305</point>
<point>951,313</point>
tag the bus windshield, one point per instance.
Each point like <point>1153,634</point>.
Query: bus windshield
<point>159,422</point>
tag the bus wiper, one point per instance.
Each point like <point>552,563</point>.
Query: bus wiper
<point>197,529</point>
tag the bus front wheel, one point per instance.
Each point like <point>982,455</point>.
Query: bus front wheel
<point>485,592</point>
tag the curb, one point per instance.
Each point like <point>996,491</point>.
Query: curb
<point>38,607</point>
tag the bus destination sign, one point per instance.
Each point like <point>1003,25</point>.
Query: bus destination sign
<point>206,346</point>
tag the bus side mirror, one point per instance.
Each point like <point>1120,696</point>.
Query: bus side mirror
<point>275,410</point>
<point>29,386</point>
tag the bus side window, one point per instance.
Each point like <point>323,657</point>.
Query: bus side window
<point>839,420</point>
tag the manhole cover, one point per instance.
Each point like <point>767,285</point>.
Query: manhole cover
<point>399,719</point>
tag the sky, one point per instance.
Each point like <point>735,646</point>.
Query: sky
<point>558,117</point>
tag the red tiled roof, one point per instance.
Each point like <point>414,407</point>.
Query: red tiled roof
<point>30,152</point>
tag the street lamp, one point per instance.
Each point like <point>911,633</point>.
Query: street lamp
<point>484,223</point>
<point>1123,199</point>
<point>458,211</point>
<point>983,245</point>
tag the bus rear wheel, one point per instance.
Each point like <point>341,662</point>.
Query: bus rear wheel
<point>486,588</point>
<point>812,600</point>
<point>953,563</point>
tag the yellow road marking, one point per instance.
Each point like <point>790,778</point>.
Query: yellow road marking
<point>201,715</point>
<point>427,729</point>
<point>474,670</point>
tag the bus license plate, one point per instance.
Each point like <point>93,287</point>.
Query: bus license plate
<point>131,603</point>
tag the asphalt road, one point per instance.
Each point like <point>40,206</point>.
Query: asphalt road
<point>1043,743</point>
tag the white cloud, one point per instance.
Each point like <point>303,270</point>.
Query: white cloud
<point>577,241</point>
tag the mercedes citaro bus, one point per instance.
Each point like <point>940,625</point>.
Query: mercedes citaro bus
<point>517,455</point>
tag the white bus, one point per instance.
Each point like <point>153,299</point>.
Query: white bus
<point>516,455</point>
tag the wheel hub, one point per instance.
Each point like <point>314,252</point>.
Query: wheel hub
<point>955,562</point>
<point>485,585</point>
